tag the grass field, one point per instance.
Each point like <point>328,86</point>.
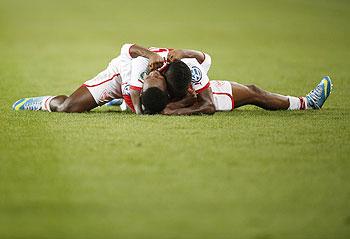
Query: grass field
<point>108,174</point>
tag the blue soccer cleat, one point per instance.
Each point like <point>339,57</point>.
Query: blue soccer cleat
<point>34,103</point>
<point>316,98</point>
<point>118,102</point>
<point>115,102</point>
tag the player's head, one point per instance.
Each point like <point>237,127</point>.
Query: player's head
<point>154,95</point>
<point>178,77</point>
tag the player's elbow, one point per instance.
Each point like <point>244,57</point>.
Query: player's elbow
<point>125,50</point>
<point>208,108</point>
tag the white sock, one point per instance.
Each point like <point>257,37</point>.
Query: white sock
<point>297,103</point>
<point>46,103</point>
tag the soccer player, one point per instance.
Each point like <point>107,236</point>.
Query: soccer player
<point>216,95</point>
<point>228,95</point>
<point>112,83</point>
<point>185,66</point>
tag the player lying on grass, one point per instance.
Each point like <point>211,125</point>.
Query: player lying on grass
<point>222,95</point>
<point>209,96</point>
<point>227,96</point>
<point>132,65</point>
<point>185,66</point>
<point>112,83</point>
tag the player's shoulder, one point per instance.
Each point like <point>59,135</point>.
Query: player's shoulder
<point>190,62</point>
<point>196,68</point>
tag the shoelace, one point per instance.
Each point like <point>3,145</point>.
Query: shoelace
<point>315,95</point>
<point>36,105</point>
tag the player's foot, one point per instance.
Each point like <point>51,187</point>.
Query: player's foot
<point>316,98</point>
<point>118,102</point>
<point>115,102</point>
<point>34,103</point>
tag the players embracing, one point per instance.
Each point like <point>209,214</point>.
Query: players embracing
<point>171,82</point>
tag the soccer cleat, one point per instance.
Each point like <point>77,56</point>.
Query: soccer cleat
<point>316,98</point>
<point>118,102</point>
<point>34,103</point>
<point>115,102</point>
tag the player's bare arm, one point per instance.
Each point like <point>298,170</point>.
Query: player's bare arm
<point>203,105</point>
<point>187,101</point>
<point>155,60</point>
<point>179,54</point>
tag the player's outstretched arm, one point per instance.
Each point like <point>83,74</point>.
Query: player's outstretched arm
<point>203,105</point>
<point>179,54</point>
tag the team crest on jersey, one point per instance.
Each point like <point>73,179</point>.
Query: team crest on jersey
<point>143,75</point>
<point>196,75</point>
<point>125,88</point>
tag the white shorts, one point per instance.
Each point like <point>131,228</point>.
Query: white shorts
<point>105,87</point>
<point>222,94</point>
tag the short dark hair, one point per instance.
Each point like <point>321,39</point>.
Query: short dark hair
<point>154,100</point>
<point>178,76</point>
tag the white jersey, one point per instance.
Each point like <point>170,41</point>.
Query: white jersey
<point>113,82</point>
<point>199,82</point>
<point>124,72</point>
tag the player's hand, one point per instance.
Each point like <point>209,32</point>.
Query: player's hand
<point>167,111</point>
<point>191,92</point>
<point>155,62</point>
<point>175,55</point>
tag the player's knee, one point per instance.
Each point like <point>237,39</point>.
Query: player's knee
<point>254,89</point>
<point>68,106</point>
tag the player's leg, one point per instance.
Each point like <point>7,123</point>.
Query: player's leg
<point>97,91</point>
<point>252,95</point>
<point>80,101</point>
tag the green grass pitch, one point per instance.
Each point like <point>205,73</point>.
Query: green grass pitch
<point>107,174</point>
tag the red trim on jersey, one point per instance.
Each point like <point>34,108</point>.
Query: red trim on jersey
<point>203,89</point>
<point>135,88</point>
<point>231,97</point>
<point>128,101</point>
<point>102,81</point>
<point>160,49</point>
<point>164,68</point>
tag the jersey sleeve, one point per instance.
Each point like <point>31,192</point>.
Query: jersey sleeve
<point>200,79</point>
<point>125,50</point>
<point>122,63</point>
<point>138,72</point>
<point>206,63</point>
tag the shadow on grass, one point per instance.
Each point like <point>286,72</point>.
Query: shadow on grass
<point>238,112</point>
<point>278,113</point>
<point>245,112</point>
